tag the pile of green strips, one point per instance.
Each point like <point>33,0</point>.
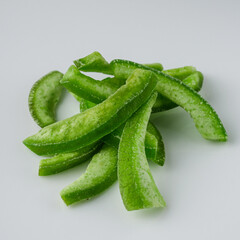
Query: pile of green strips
<point>113,130</point>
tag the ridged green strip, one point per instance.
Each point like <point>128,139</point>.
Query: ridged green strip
<point>101,173</point>
<point>206,119</point>
<point>137,186</point>
<point>43,98</point>
<point>64,161</point>
<point>85,128</point>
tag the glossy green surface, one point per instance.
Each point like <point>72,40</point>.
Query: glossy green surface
<point>64,161</point>
<point>152,146</point>
<point>160,150</point>
<point>93,62</point>
<point>97,91</point>
<point>43,98</point>
<point>180,73</point>
<point>85,105</point>
<point>137,186</point>
<point>154,149</point>
<point>194,81</point>
<point>157,66</point>
<point>86,87</point>
<point>114,81</point>
<point>85,128</point>
<point>206,119</point>
<point>100,174</point>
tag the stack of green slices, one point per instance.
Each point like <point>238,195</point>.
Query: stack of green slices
<point>113,130</point>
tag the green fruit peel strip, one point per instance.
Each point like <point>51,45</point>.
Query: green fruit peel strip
<point>113,81</point>
<point>90,126</point>
<point>160,151</point>
<point>64,161</point>
<point>194,81</point>
<point>93,62</point>
<point>157,66</point>
<point>43,98</point>
<point>180,73</point>
<point>137,186</point>
<point>154,146</point>
<point>86,87</point>
<point>96,91</point>
<point>101,173</point>
<point>206,119</point>
<point>85,105</point>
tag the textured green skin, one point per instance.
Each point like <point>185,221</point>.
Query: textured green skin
<point>157,66</point>
<point>206,119</point>
<point>100,174</point>
<point>114,81</point>
<point>152,145</point>
<point>86,87</point>
<point>194,81</point>
<point>154,149</point>
<point>85,105</point>
<point>180,73</point>
<point>64,161</point>
<point>43,98</point>
<point>97,91</point>
<point>85,128</point>
<point>137,186</point>
<point>93,62</point>
<point>160,153</point>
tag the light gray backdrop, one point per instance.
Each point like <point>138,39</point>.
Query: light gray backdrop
<point>200,181</point>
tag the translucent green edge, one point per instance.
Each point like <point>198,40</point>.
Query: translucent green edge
<point>97,91</point>
<point>80,130</point>
<point>206,119</point>
<point>194,81</point>
<point>160,153</point>
<point>137,186</point>
<point>95,62</point>
<point>101,173</point>
<point>64,161</point>
<point>43,98</point>
<point>113,139</point>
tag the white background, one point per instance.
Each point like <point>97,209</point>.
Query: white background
<point>200,180</point>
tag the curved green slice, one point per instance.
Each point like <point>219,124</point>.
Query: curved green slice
<point>86,87</point>
<point>113,81</point>
<point>85,128</point>
<point>64,161</point>
<point>180,73</point>
<point>154,146</point>
<point>157,66</point>
<point>137,186</point>
<point>194,81</point>
<point>101,173</point>
<point>160,150</point>
<point>96,91</point>
<point>93,62</point>
<point>206,119</point>
<point>43,98</point>
<point>85,105</point>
